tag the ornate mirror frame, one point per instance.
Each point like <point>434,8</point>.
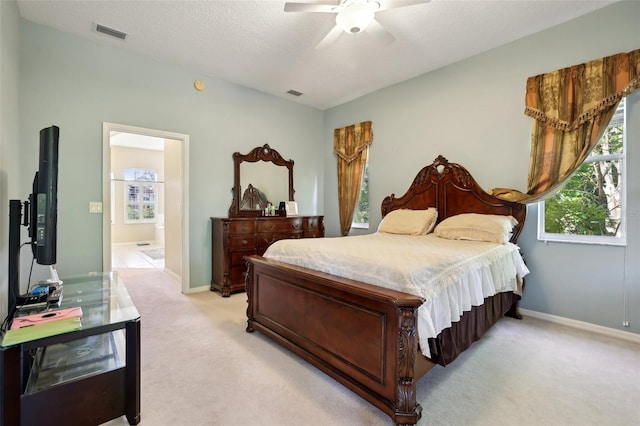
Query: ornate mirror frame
<point>260,153</point>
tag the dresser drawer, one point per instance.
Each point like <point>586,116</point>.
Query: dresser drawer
<point>234,238</point>
<point>237,257</point>
<point>265,240</point>
<point>237,273</point>
<point>242,242</point>
<point>242,227</point>
<point>282,225</point>
<point>315,233</point>
<point>312,223</point>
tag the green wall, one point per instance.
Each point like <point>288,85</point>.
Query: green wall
<point>78,85</point>
<point>9,148</point>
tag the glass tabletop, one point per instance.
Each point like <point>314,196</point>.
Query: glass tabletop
<point>103,298</point>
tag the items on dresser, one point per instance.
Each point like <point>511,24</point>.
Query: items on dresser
<point>236,237</point>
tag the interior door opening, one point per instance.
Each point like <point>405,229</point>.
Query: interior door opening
<point>145,200</point>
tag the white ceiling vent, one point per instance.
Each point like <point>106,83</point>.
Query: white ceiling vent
<point>110,32</point>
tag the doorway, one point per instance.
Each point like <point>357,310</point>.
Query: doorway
<point>145,200</point>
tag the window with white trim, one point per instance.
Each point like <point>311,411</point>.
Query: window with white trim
<point>590,207</point>
<point>140,195</point>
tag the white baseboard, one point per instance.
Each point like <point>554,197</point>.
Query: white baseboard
<point>179,279</point>
<point>199,289</point>
<point>611,332</point>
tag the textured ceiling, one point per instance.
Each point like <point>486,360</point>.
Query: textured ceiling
<point>256,44</point>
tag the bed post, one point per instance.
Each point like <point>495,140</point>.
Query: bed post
<point>248,288</point>
<point>407,410</point>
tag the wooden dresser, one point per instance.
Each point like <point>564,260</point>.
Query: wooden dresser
<point>234,238</point>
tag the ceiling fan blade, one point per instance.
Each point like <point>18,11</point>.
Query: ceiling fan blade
<point>384,5</point>
<point>380,33</point>
<point>329,38</point>
<point>326,6</point>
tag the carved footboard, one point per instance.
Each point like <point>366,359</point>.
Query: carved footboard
<point>363,336</point>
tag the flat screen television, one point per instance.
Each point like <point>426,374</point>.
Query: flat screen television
<point>44,199</point>
<point>40,215</point>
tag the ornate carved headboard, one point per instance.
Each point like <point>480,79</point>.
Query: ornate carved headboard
<point>451,189</point>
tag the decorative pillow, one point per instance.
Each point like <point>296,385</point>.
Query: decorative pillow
<point>409,222</point>
<point>477,227</point>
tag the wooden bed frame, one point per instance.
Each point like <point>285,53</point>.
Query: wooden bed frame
<point>365,336</point>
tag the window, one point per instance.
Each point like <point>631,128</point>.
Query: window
<point>361,213</point>
<point>140,195</point>
<point>590,206</point>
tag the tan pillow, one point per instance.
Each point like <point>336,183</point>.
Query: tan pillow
<point>409,222</point>
<point>477,227</point>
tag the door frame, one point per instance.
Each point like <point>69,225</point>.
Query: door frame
<point>107,128</point>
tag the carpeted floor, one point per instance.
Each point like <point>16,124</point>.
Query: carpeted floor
<point>200,367</point>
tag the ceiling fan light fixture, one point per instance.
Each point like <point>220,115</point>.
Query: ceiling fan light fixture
<point>355,17</point>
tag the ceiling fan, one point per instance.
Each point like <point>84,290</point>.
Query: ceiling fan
<point>353,16</point>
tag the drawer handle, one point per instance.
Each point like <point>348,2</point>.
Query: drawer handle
<point>270,227</point>
<point>245,242</point>
<point>296,225</point>
<point>244,228</point>
<point>271,241</point>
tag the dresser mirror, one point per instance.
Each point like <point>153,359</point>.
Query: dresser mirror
<point>262,176</point>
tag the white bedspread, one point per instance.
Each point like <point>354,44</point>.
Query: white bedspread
<point>451,275</point>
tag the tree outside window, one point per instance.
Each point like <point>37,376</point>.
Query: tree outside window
<point>589,207</point>
<point>361,213</point>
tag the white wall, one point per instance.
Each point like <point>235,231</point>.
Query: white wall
<point>172,207</point>
<point>472,113</point>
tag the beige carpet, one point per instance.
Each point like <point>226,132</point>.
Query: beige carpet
<point>200,367</point>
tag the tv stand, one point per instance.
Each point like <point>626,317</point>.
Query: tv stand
<point>15,217</point>
<point>44,382</point>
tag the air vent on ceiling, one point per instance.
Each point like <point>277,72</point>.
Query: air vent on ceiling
<point>110,32</point>
<point>294,93</point>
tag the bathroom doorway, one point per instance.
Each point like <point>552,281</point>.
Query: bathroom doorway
<point>145,195</point>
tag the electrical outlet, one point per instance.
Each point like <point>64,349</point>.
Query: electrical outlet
<point>95,207</point>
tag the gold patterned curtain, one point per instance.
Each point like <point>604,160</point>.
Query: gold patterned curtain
<point>350,145</point>
<point>571,109</point>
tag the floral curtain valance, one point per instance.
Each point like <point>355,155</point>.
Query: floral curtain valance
<point>350,141</point>
<point>567,98</point>
<point>571,109</point>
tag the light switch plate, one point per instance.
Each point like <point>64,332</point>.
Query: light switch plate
<point>95,207</point>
